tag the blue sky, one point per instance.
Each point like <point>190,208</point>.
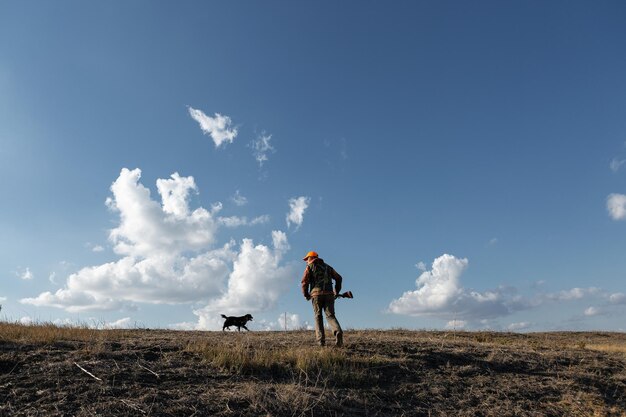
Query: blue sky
<point>461,164</point>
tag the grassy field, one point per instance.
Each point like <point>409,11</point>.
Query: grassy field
<point>47,370</point>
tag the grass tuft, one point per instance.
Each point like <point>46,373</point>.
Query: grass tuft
<point>246,359</point>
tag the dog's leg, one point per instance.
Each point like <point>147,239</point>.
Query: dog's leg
<point>244,326</point>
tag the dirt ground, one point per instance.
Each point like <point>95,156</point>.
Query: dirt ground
<point>377,373</point>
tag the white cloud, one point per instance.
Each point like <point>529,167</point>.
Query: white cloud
<point>65,322</point>
<point>617,298</point>
<point>293,322</point>
<point>239,200</point>
<point>255,283</point>
<point>297,208</point>
<point>516,327</point>
<point>456,324</point>
<point>235,221</point>
<point>493,241</point>
<point>616,205</point>
<point>217,127</point>
<point>573,294</point>
<point>124,323</point>
<point>26,274</point>
<point>592,311</point>
<point>26,320</point>
<point>260,220</point>
<point>174,194</point>
<point>616,164</point>
<point>147,228</point>
<point>421,266</point>
<point>439,293</point>
<point>261,148</point>
<point>94,248</point>
<point>167,255</point>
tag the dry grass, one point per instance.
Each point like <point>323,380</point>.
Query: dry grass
<point>378,373</point>
<point>50,333</point>
<point>609,348</point>
<point>246,358</point>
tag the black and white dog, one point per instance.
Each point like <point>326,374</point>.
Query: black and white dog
<point>236,321</point>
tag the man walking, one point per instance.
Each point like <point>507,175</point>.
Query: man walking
<point>317,284</point>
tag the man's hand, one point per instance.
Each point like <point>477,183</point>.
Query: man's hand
<point>308,297</point>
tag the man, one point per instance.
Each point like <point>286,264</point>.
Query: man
<point>317,284</point>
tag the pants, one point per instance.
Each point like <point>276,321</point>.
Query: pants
<point>326,302</point>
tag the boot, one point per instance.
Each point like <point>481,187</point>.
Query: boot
<point>339,339</point>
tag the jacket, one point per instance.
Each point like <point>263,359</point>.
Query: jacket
<point>307,279</point>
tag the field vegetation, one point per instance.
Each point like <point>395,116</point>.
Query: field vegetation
<point>48,370</point>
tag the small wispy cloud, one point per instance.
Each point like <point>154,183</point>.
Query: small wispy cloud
<point>124,323</point>
<point>617,298</point>
<point>421,266</point>
<point>25,274</point>
<point>456,324</point>
<point>261,148</point>
<point>94,248</point>
<point>218,127</point>
<point>238,199</point>
<point>573,294</point>
<point>516,327</point>
<point>616,164</point>
<point>592,311</point>
<point>616,205</point>
<point>236,221</point>
<point>297,208</point>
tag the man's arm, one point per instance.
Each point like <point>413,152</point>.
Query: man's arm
<point>305,284</point>
<point>337,279</point>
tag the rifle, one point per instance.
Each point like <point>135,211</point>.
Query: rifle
<point>347,294</point>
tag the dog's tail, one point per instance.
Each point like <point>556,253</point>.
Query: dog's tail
<point>224,316</point>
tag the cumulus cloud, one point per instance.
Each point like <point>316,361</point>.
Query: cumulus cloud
<point>439,293</point>
<point>218,127</point>
<point>261,148</point>
<point>168,255</point>
<point>616,205</point>
<point>255,283</point>
<point>297,208</point>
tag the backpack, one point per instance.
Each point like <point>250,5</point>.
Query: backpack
<point>320,278</point>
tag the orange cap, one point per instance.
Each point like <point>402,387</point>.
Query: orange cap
<point>311,254</point>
